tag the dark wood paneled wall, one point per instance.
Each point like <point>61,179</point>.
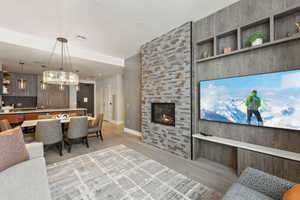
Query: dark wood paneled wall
<point>52,97</point>
<point>31,85</point>
<point>280,57</point>
<point>283,168</point>
<point>228,154</point>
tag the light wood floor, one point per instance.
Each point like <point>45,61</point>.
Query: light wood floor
<point>208,173</point>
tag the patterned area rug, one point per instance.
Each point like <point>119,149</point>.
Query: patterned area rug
<point>121,173</point>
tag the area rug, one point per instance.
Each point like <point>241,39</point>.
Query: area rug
<point>120,173</point>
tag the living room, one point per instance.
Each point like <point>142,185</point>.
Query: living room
<point>196,100</point>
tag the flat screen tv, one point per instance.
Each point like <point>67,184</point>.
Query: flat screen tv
<point>269,100</point>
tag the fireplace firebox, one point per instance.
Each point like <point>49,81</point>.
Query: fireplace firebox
<point>163,113</point>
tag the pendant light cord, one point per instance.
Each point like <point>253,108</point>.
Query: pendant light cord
<point>62,57</point>
<point>69,55</point>
<point>52,53</point>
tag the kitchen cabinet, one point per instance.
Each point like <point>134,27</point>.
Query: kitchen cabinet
<point>31,85</point>
<point>1,83</point>
<point>52,97</point>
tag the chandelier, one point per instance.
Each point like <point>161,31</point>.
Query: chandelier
<point>61,77</point>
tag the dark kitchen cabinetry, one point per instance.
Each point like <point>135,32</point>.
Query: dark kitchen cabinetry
<point>1,83</point>
<point>52,97</point>
<point>31,85</point>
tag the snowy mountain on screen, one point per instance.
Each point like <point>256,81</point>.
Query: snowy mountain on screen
<point>276,111</point>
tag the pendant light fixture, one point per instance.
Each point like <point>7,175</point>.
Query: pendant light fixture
<point>43,85</point>
<point>61,77</point>
<point>21,82</point>
<point>61,87</point>
<point>77,87</point>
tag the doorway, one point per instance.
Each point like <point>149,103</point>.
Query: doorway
<point>85,97</point>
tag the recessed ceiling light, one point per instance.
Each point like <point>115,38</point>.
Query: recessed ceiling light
<point>81,37</point>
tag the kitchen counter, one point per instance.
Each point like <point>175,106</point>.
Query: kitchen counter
<point>44,111</point>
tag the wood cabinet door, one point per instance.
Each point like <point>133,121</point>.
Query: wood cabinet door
<point>1,83</point>
<point>85,97</point>
<point>52,97</point>
<point>31,85</point>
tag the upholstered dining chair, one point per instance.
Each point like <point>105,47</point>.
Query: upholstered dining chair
<point>49,132</point>
<point>5,125</point>
<point>95,126</point>
<point>78,129</point>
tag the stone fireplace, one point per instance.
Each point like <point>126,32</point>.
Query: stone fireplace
<point>163,113</point>
<point>166,91</point>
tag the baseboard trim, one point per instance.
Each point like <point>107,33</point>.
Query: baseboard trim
<point>132,132</point>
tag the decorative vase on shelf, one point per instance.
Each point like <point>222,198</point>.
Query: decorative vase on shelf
<point>227,50</point>
<point>204,54</point>
<point>257,41</point>
<point>289,34</point>
<point>298,26</point>
<point>5,90</point>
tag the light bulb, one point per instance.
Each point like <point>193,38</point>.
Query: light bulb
<point>61,87</point>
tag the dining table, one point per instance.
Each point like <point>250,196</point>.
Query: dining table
<point>33,123</point>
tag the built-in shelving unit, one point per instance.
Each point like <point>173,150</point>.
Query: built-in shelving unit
<point>205,48</point>
<point>278,28</point>
<point>252,147</point>
<point>284,24</point>
<point>261,26</point>
<point>228,40</point>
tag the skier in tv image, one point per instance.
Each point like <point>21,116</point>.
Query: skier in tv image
<point>253,102</point>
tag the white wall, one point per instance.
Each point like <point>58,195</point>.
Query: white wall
<point>115,83</point>
<point>72,97</point>
<point>132,92</point>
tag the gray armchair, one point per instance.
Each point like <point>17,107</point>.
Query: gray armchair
<point>5,125</point>
<point>257,185</point>
<point>96,126</point>
<point>49,132</point>
<point>78,129</point>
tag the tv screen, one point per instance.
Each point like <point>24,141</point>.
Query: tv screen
<point>270,100</point>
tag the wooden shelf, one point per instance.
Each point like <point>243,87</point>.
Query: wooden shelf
<point>205,48</point>
<point>252,147</point>
<point>284,23</point>
<point>227,40</point>
<point>261,26</point>
<point>275,27</point>
<point>296,37</point>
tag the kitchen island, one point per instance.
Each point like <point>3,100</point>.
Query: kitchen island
<point>17,117</point>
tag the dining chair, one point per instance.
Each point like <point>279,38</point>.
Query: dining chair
<point>50,133</point>
<point>78,129</point>
<point>95,126</point>
<point>5,125</point>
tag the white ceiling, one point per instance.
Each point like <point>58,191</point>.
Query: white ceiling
<point>113,27</point>
<point>11,55</point>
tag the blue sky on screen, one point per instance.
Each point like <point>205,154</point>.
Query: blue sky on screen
<point>276,80</point>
